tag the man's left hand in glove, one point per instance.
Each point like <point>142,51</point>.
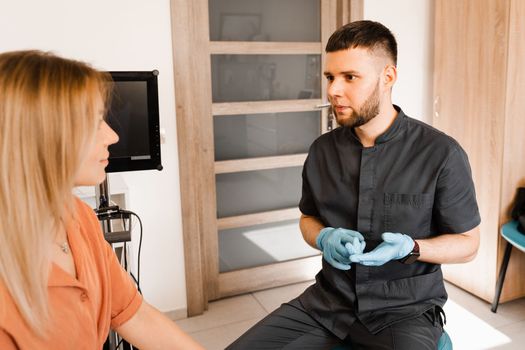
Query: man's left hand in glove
<point>395,246</point>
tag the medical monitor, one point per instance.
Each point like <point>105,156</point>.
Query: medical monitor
<point>134,115</point>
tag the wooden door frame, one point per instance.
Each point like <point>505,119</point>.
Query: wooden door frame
<point>191,65</point>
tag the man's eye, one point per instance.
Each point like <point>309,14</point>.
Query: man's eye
<point>329,78</point>
<point>350,77</point>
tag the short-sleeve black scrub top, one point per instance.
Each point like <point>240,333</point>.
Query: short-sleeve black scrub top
<point>415,180</point>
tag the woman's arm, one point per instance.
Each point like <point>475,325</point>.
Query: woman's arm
<point>150,329</point>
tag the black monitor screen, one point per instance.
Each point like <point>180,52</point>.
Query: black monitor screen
<point>134,115</point>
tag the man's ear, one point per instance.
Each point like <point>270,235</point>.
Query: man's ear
<point>389,75</point>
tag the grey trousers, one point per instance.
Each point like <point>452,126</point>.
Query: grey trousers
<point>291,327</point>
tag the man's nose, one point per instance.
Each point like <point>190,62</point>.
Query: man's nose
<point>335,88</point>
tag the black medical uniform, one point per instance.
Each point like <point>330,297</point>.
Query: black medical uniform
<point>415,180</point>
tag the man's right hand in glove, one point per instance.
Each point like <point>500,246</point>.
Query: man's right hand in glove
<point>331,241</point>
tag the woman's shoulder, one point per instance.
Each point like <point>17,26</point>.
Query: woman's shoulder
<point>8,309</point>
<point>84,214</point>
<point>3,304</point>
<point>83,210</point>
<point>85,222</point>
<point>6,341</point>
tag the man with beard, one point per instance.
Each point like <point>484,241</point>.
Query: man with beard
<point>387,199</point>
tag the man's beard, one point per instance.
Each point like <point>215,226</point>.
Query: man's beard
<point>368,111</point>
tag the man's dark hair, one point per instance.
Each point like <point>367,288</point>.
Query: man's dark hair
<point>366,34</point>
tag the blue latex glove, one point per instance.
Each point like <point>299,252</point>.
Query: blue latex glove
<point>355,247</point>
<point>394,246</point>
<point>331,241</point>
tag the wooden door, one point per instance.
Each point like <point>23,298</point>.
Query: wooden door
<point>248,78</point>
<point>513,168</point>
<point>477,78</point>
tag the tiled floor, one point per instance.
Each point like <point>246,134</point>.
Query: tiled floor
<point>470,323</point>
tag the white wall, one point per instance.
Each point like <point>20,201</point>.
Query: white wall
<point>136,35</point>
<point>412,22</point>
<point>121,35</point>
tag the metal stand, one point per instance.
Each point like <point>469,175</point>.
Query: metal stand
<point>105,213</point>
<point>103,200</point>
<point>102,194</point>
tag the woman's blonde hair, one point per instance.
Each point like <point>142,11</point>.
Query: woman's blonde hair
<point>48,119</point>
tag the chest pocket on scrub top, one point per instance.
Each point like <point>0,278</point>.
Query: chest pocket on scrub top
<point>408,213</point>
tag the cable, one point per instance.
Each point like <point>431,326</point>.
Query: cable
<point>118,345</point>
<point>125,257</point>
<point>134,279</point>
<point>125,244</point>
<point>113,213</point>
<point>137,280</point>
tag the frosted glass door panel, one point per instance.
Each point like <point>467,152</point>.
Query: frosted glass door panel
<point>263,135</point>
<point>256,191</point>
<point>262,245</point>
<point>238,78</point>
<point>264,20</point>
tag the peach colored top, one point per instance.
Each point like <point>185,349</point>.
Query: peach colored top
<point>82,309</point>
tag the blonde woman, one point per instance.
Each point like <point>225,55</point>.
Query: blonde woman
<point>61,286</point>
